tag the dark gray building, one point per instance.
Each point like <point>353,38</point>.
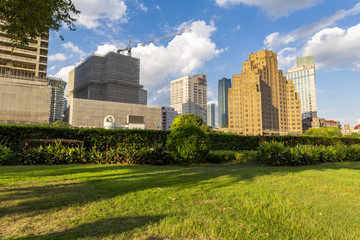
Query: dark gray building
<point>56,99</point>
<point>113,77</point>
<point>224,85</point>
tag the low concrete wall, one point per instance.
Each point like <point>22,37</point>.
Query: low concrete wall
<point>91,113</point>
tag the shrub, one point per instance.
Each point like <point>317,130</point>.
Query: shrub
<point>185,120</point>
<point>272,153</point>
<point>245,156</point>
<point>6,155</point>
<point>220,156</point>
<point>188,144</point>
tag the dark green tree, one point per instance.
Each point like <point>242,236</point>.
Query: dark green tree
<point>188,144</point>
<point>25,20</point>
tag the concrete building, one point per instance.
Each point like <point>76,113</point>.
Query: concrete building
<point>211,115</point>
<point>24,101</point>
<point>113,77</point>
<point>322,122</point>
<point>91,113</point>
<point>261,100</point>
<point>28,62</point>
<point>189,95</point>
<point>57,98</point>
<point>143,96</point>
<point>24,92</point>
<point>168,116</point>
<point>303,76</point>
<point>223,87</point>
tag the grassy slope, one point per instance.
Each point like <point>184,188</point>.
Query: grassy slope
<point>150,202</point>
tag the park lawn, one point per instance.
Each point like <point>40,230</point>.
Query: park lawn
<point>176,202</point>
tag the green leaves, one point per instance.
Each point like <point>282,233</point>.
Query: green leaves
<point>27,20</point>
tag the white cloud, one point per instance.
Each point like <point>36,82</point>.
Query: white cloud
<point>356,67</point>
<point>104,49</point>
<point>92,11</point>
<point>184,55</point>
<point>273,8</point>
<point>286,58</point>
<point>238,27</point>
<point>73,48</point>
<point>57,57</point>
<point>143,7</point>
<point>276,40</point>
<point>63,73</point>
<point>334,47</point>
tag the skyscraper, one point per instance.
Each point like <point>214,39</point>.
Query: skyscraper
<point>303,76</point>
<point>113,77</point>
<point>224,85</point>
<point>211,115</point>
<point>261,100</point>
<point>189,95</point>
<point>57,98</point>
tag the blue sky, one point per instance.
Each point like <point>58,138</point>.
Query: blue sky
<point>223,33</point>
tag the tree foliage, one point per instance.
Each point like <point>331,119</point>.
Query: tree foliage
<point>186,120</point>
<point>324,132</point>
<point>26,20</point>
<point>188,144</point>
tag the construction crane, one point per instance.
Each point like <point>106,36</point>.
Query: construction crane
<point>128,49</point>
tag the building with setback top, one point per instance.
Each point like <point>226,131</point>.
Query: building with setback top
<point>261,100</point>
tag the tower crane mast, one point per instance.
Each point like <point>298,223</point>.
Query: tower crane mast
<point>130,46</point>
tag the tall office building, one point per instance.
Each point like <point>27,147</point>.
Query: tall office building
<point>223,87</point>
<point>261,100</point>
<point>211,115</point>
<point>113,77</point>
<point>189,95</point>
<point>24,91</point>
<point>57,98</point>
<point>303,75</point>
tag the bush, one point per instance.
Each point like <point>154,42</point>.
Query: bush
<point>245,156</point>
<point>220,156</point>
<point>6,156</point>
<point>188,145</point>
<point>185,120</point>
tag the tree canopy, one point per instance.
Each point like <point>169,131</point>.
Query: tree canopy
<point>187,119</point>
<point>324,132</point>
<point>26,20</point>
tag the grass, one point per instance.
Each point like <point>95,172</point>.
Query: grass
<point>172,202</point>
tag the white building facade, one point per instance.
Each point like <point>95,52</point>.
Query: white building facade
<point>189,95</point>
<point>303,76</point>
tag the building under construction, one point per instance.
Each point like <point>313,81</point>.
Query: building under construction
<point>113,77</point>
<point>24,91</point>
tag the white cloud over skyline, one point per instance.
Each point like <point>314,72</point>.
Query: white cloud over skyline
<point>92,11</point>
<point>57,57</point>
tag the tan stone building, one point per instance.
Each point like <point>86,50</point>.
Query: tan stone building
<point>189,95</point>
<point>24,91</point>
<point>91,113</point>
<point>261,100</point>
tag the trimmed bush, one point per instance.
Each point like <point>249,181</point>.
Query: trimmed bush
<point>188,145</point>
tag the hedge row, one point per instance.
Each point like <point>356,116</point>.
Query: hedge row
<point>278,154</point>
<point>13,135</point>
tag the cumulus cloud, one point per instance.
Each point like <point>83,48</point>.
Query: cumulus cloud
<point>275,40</point>
<point>273,8</point>
<point>182,56</point>
<point>104,49</point>
<point>73,48</point>
<point>356,67</point>
<point>57,57</point>
<point>334,47</point>
<point>92,11</point>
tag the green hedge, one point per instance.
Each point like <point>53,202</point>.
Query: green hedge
<point>12,135</point>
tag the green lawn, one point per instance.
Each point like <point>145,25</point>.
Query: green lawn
<point>172,202</point>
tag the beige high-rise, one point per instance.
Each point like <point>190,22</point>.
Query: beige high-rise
<point>189,95</point>
<point>24,91</point>
<point>261,100</point>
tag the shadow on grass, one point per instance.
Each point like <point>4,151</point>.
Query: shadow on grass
<point>111,227</point>
<point>96,184</point>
